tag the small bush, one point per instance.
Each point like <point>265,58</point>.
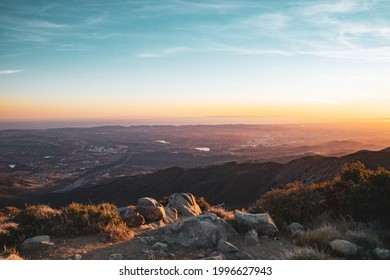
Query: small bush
<point>119,232</point>
<point>10,210</point>
<point>10,234</point>
<point>36,220</point>
<point>203,204</point>
<point>307,253</point>
<point>78,219</point>
<point>293,203</point>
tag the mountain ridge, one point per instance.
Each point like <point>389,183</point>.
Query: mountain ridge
<point>232,183</point>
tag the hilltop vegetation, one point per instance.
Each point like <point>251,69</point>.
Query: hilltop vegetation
<point>357,192</point>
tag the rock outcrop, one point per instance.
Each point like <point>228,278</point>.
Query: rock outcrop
<point>171,215</point>
<point>199,231</point>
<point>131,217</point>
<point>262,223</point>
<point>150,209</point>
<point>185,203</point>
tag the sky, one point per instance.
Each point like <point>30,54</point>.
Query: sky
<point>195,61</point>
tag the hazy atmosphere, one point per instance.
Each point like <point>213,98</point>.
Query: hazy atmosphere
<point>177,62</point>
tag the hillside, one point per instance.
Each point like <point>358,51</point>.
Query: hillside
<point>235,184</point>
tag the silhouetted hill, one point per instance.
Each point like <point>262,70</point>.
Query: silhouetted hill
<point>235,184</point>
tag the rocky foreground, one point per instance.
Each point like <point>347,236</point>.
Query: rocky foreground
<point>180,230</point>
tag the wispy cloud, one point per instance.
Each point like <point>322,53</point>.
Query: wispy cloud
<point>345,6</point>
<point>164,53</point>
<point>7,72</point>
<point>217,48</point>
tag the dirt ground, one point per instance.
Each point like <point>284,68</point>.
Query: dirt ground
<point>97,247</point>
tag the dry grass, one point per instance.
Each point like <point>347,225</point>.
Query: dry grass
<point>221,212</point>
<point>119,232</point>
<point>318,238</point>
<point>306,253</point>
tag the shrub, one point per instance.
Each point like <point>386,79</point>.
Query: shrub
<point>36,220</point>
<point>119,232</point>
<point>306,253</point>
<point>78,219</point>
<point>358,192</point>
<point>293,203</point>
<point>9,210</point>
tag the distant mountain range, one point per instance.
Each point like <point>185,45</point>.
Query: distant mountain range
<point>234,184</point>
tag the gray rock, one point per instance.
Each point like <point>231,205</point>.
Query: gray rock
<point>273,258</point>
<point>252,238</point>
<point>226,247</point>
<point>381,253</point>
<point>36,242</point>
<point>147,202</point>
<point>343,247</point>
<point>160,246</point>
<point>171,215</point>
<point>131,217</point>
<point>199,231</point>
<point>115,257</point>
<point>215,256</point>
<point>262,223</point>
<point>185,203</point>
<point>77,257</point>
<point>294,227</point>
<point>147,240</point>
<point>152,213</point>
<point>240,255</point>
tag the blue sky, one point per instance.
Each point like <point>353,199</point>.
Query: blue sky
<point>176,58</point>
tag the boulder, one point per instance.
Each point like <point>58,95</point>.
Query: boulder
<point>252,238</point>
<point>381,253</point>
<point>199,231</point>
<point>262,223</point>
<point>185,203</point>
<point>131,217</point>
<point>294,227</point>
<point>171,215</point>
<point>36,242</point>
<point>152,213</point>
<point>344,247</point>
<point>226,247</point>
<point>147,202</point>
